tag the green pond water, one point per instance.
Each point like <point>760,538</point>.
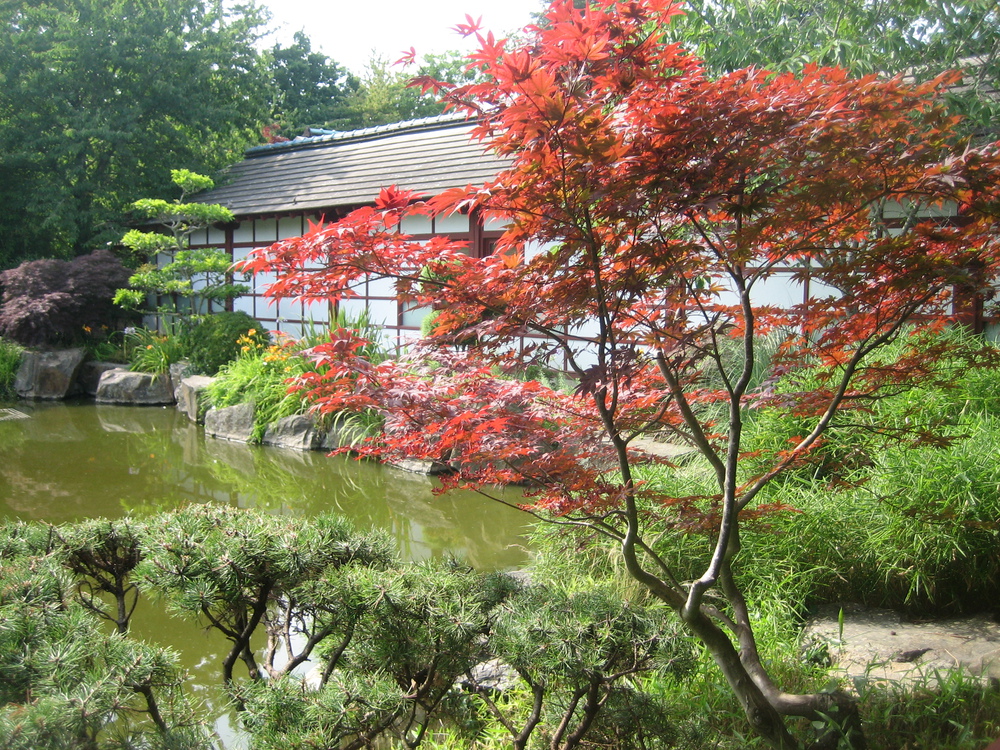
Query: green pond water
<point>70,461</point>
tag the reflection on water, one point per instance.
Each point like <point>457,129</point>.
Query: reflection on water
<point>71,461</point>
<point>74,461</point>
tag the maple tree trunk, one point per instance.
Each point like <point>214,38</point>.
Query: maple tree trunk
<point>766,706</point>
<point>838,710</point>
<point>763,703</point>
<point>764,717</point>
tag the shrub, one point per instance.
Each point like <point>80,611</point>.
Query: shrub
<point>153,351</point>
<point>211,341</point>
<point>262,376</point>
<point>10,360</point>
<point>48,302</point>
<point>265,376</point>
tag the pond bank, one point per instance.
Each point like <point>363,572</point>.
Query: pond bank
<point>77,459</point>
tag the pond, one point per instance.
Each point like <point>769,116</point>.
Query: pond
<point>71,461</point>
<point>64,462</point>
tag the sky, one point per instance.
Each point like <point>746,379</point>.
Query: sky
<point>347,31</point>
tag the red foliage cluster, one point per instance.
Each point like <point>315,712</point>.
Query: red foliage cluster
<point>651,212</point>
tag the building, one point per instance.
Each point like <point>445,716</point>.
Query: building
<point>280,187</point>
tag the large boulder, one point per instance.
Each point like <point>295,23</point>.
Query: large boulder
<point>179,371</point>
<point>48,375</point>
<point>297,431</point>
<point>188,394</point>
<point>126,387</point>
<point>90,374</point>
<point>230,422</point>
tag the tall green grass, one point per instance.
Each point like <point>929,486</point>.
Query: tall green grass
<point>10,361</point>
<point>879,519</point>
<point>263,376</point>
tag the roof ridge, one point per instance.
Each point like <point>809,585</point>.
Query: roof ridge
<point>360,134</point>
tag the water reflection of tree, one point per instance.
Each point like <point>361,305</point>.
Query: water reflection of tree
<point>70,462</point>
<point>461,524</point>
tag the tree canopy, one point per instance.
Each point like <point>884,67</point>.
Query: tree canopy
<point>98,100</point>
<point>654,209</point>
<point>310,89</point>
<point>920,37</point>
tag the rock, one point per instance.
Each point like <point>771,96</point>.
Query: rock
<point>188,394</point>
<point>493,675</point>
<point>341,434</point>
<point>878,644</point>
<point>297,431</point>
<point>334,438</point>
<point>230,422</point>
<point>125,387</point>
<point>421,466</point>
<point>48,375</point>
<point>90,374</point>
<point>179,371</point>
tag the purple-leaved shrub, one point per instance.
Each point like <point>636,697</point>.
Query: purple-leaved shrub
<point>51,302</point>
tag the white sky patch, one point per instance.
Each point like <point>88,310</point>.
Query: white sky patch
<point>350,31</point>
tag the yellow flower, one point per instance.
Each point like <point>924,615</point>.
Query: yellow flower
<point>252,332</point>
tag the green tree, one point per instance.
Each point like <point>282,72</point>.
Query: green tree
<point>922,37</point>
<point>200,277</point>
<point>98,98</point>
<point>310,90</point>
<point>237,573</point>
<point>385,97</point>
<point>65,682</point>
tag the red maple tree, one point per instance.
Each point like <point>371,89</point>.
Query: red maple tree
<point>650,210</point>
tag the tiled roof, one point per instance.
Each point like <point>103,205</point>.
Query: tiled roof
<point>348,169</point>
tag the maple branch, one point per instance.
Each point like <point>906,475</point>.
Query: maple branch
<point>729,523</point>
<point>691,419</point>
<point>836,399</point>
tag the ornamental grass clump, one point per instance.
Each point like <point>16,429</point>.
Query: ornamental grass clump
<point>262,375</point>
<point>10,361</point>
<point>153,351</point>
<point>273,376</point>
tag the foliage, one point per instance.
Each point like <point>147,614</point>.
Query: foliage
<point>214,566</point>
<point>385,97</point>
<point>575,653</point>
<point>209,342</point>
<point>98,101</point>
<point>102,556</point>
<point>346,713</point>
<point>425,633</point>
<point>921,38</point>
<point>261,376</point>
<point>313,94</point>
<point>153,351</point>
<point>68,683</point>
<point>897,525</point>
<point>311,91</point>
<point>192,280</point>
<point>664,203</point>
<point>51,302</point>
<point>272,378</point>
<point>10,362</point>
<point>593,665</point>
<point>921,715</point>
